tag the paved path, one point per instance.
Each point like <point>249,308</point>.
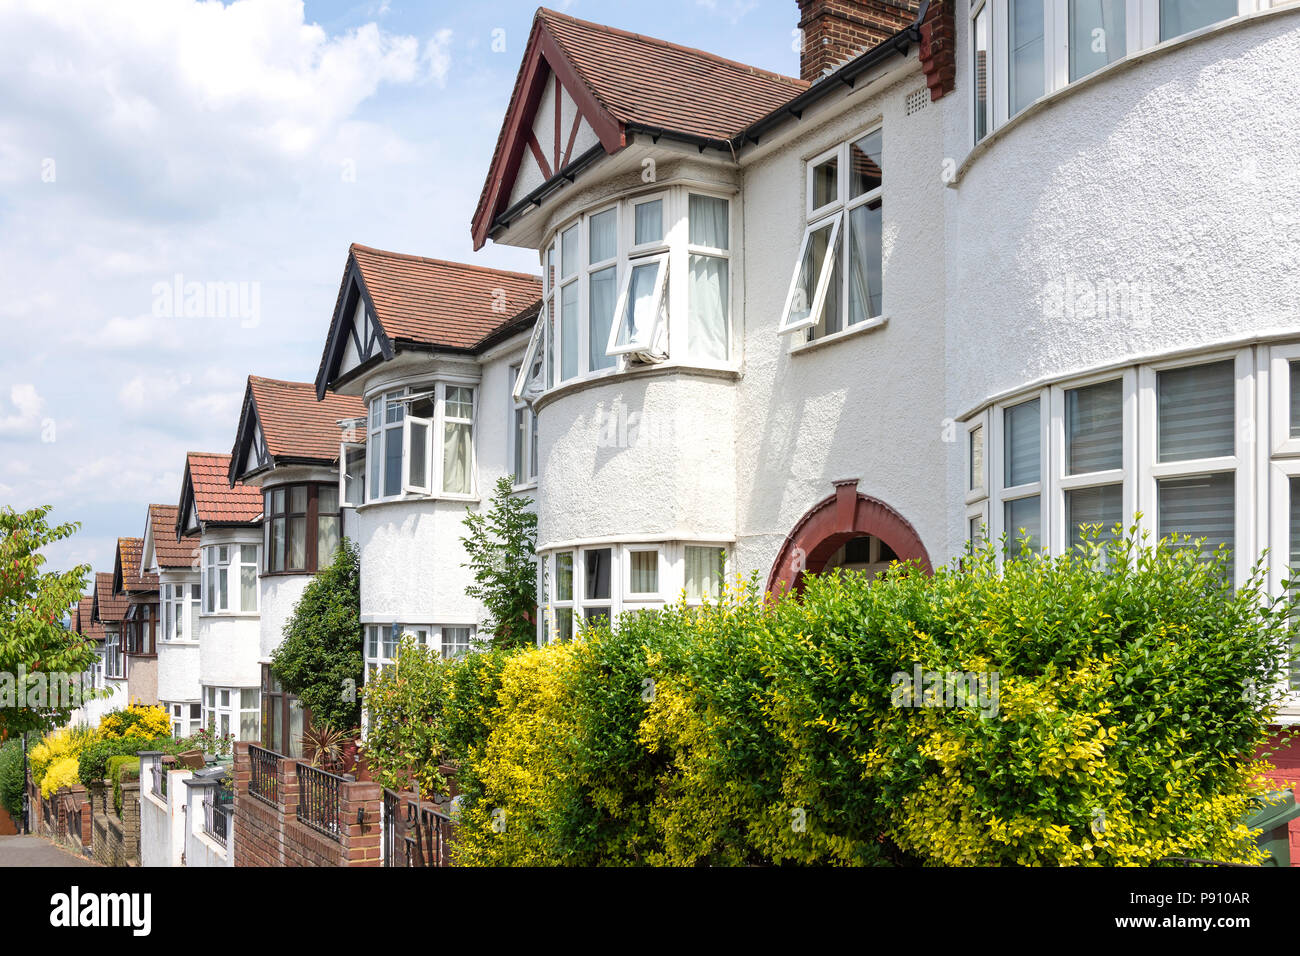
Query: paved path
<point>36,851</point>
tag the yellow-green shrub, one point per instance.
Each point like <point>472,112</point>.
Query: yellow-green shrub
<point>61,773</point>
<point>136,720</point>
<point>58,745</point>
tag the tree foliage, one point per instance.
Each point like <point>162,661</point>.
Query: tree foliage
<point>33,602</point>
<point>502,547</point>
<point>320,658</point>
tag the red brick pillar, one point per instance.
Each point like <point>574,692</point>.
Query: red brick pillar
<point>362,801</point>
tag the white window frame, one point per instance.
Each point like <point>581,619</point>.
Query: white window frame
<point>233,709</point>
<point>409,423</point>
<point>997,509</point>
<point>648,341</point>
<point>1280,359</point>
<point>180,599</point>
<point>346,448</point>
<point>1059,534</point>
<point>1141,32</point>
<point>439,429</point>
<point>523,472</point>
<point>532,353</point>
<point>232,566</point>
<point>424,635</point>
<point>403,397</point>
<point>641,597</point>
<point>376,439</point>
<point>787,326</point>
<point>617,262</point>
<point>977,499</point>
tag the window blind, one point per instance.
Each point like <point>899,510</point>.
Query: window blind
<point>1196,416</point>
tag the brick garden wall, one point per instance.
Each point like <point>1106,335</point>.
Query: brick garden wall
<point>1286,773</point>
<point>271,835</point>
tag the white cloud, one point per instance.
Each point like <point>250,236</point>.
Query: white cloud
<point>25,417</point>
<point>437,54</point>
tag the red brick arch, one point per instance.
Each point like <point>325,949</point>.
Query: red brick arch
<point>833,521</point>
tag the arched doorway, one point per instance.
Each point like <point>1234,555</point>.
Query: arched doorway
<point>847,529</point>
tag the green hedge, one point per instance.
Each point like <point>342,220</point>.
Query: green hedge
<point>92,763</point>
<point>11,777</point>
<point>118,768</point>
<point>1100,707</point>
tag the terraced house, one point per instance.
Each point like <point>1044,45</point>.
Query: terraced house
<point>980,270</point>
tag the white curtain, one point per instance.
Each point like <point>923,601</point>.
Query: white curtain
<point>602,242</point>
<point>602,296</point>
<point>707,328</point>
<point>865,262</point>
<point>638,315</point>
<point>704,570</point>
<point>708,221</point>
<point>569,331</point>
<point>649,222</point>
<point>456,457</point>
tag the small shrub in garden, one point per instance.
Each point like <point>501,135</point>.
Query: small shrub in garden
<point>93,760</point>
<point>64,743</point>
<point>11,777</point>
<point>137,720</point>
<point>61,773</point>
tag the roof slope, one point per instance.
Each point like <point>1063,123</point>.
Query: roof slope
<point>169,552</point>
<point>108,608</point>
<point>296,425</point>
<point>439,303</point>
<point>645,81</point>
<point>82,623</point>
<point>214,498</point>
<point>129,551</point>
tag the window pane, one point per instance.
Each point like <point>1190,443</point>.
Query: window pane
<point>866,287</point>
<point>248,587</point>
<point>248,554</point>
<point>1103,506</point>
<point>597,561</point>
<point>564,624</point>
<point>981,34</point>
<point>810,269</point>
<point>569,252</point>
<point>518,438</point>
<point>418,455</point>
<point>639,312</point>
<point>603,295</point>
<point>1023,441</point>
<point>327,540</point>
<point>277,501</point>
<point>569,331</point>
<point>865,169</point>
<point>704,571</point>
<point>1295,399</point>
<point>327,499</point>
<point>1023,516</point>
<point>373,457</point>
<point>223,580</point>
<point>1183,16</point>
<point>394,409</point>
<point>298,499</point>
<point>1201,506</point>
<point>708,221</point>
<point>1196,415</point>
<point>1097,35</point>
<point>825,182</point>
<point>1025,60</point>
<point>976,459</point>
<point>1294,532</point>
<point>532,454</point>
<point>564,576</point>
<point>456,456</point>
<point>295,729</point>
<point>354,470</point>
<point>392,462</point>
<point>645,572</point>
<point>975,532</point>
<point>376,412</point>
<point>1094,428</point>
<point>460,402</point>
<point>455,641</point>
<point>248,726</point>
<point>708,326</point>
<point>297,546</point>
<point>649,226</point>
<point>277,544</point>
<point>596,615</point>
<point>602,236</point>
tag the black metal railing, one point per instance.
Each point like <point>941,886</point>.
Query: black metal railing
<point>263,778</point>
<point>318,800</point>
<point>415,837</point>
<point>216,812</point>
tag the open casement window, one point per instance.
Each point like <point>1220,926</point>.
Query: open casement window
<point>352,474</point>
<point>639,317</point>
<point>531,381</point>
<point>812,275</point>
<point>417,444</point>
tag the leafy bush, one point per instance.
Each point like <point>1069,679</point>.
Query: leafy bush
<point>137,720</point>
<point>1102,707</point>
<point>61,773</point>
<point>121,768</point>
<point>320,658</point>
<point>11,777</point>
<point>501,543</point>
<point>94,759</point>
<point>64,743</point>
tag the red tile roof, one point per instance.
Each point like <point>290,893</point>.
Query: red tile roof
<point>129,552</point>
<point>81,622</point>
<point>651,82</point>
<point>448,304</point>
<point>168,552</point>
<point>627,80</point>
<point>214,499</point>
<point>108,609</point>
<point>296,425</point>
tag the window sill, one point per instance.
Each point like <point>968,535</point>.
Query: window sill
<point>575,385</point>
<point>411,499</point>
<point>1047,100</point>
<point>163,644</point>
<point>286,574</point>
<point>870,325</point>
<point>526,486</point>
<point>231,614</point>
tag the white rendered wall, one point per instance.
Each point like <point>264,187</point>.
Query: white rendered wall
<point>230,644</point>
<point>178,661</point>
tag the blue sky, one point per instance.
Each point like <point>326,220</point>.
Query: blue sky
<point>243,143</point>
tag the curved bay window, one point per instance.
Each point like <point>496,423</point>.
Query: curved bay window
<point>284,718</point>
<point>301,528</point>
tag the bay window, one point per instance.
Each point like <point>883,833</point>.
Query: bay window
<point>1092,472</point>
<point>609,296</point>
<point>284,717</point>
<point>596,583</point>
<point>838,274</point>
<point>233,710</point>
<point>1023,49</point>
<point>230,579</point>
<point>421,442</point>
<point>1022,498</point>
<point>523,435</point>
<point>352,474</point>
<point>382,640</point>
<point>301,527</point>
<point>186,718</point>
<point>180,607</point>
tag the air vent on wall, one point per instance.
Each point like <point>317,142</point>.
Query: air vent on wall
<point>917,100</point>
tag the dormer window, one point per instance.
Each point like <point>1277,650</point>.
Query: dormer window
<point>644,280</point>
<point>421,442</point>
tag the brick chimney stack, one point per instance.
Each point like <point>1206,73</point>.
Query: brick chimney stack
<point>836,31</point>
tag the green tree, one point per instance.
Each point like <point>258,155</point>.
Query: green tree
<point>502,548</point>
<point>320,659</point>
<point>33,638</point>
